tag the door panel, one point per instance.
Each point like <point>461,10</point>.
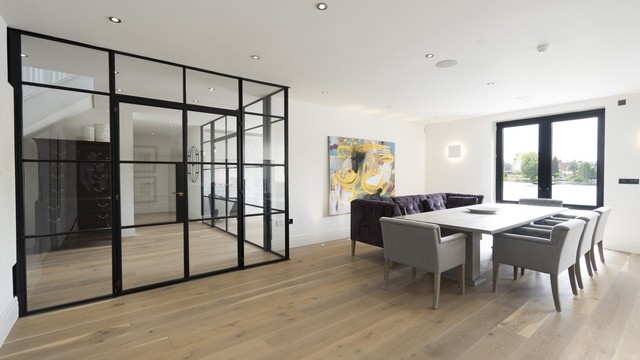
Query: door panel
<point>152,194</point>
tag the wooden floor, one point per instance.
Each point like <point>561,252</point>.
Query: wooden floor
<point>154,255</point>
<point>325,304</point>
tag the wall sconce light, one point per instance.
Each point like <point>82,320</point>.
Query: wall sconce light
<point>454,151</point>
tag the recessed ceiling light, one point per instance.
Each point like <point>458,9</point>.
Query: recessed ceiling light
<point>490,83</point>
<point>447,63</point>
<point>24,55</point>
<point>195,101</point>
<point>321,6</point>
<point>115,19</point>
<point>255,57</point>
<point>389,106</point>
<point>119,90</point>
<point>325,92</point>
<point>116,72</point>
<point>429,56</point>
<point>211,89</point>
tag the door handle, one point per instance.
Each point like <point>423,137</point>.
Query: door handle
<point>179,193</point>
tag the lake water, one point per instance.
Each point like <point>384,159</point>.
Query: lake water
<point>569,194</point>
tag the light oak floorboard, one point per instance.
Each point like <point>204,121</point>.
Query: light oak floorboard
<point>326,304</point>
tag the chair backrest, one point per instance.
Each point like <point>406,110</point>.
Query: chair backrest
<point>567,234</point>
<point>602,222</point>
<point>410,242</point>
<point>591,219</point>
<point>540,202</point>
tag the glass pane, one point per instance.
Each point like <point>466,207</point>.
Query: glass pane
<point>212,90</point>
<point>63,269</point>
<point>211,249</point>
<point>575,161</point>
<point>264,184</point>
<point>264,140</point>
<point>263,99</point>
<point>65,197</point>
<point>152,254</point>
<point>55,63</point>
<point>520,167</point>
<point>263,235</point>
<point>147,193</point>
<point>150,134</point>
<point>148,79</point>
<point>65,115</point>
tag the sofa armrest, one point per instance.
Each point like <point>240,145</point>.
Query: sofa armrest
<point>365,219</point>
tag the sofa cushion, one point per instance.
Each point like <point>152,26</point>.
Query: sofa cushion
<point>409,204</point>
<point>458,201</point>
<point>434,203</point>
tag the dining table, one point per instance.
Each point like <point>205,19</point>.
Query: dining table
<point>476,220</point>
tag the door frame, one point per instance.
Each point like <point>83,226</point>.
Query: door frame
<point>545,154</point>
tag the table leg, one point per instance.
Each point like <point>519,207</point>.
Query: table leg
<point>472,263</point>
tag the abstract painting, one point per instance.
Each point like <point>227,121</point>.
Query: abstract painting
<point>359,169</point>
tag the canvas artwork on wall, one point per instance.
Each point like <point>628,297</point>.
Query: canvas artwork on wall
<point>359,168</point>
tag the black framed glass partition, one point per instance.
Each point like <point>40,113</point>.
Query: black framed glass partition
<point>134,173</point>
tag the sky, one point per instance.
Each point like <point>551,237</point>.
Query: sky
<point>572,140</point>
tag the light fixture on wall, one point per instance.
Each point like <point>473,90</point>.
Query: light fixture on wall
<point>454,151</point>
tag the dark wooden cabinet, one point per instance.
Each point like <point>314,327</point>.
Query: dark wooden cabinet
<point>74,186</point>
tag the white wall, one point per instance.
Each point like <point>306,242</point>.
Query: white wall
<point>475,172</point>
<point>8,303</point>
<point>309,128</point>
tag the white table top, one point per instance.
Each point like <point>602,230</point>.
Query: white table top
<point>507,217</point>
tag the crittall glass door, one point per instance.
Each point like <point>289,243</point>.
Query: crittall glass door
<point>152,194</point>
<point>558,157</point>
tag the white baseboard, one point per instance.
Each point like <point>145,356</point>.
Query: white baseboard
<point>8,318</point>
<point>622,245</point>
<point>318,238</point>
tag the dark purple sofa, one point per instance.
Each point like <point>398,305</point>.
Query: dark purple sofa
<point>366,213</point>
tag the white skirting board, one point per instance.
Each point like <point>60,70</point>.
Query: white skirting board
<point>319,238</point>
<point>621,245</point>
<point>8,318</point>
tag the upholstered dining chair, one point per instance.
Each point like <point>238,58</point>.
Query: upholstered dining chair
<point>420,245</point>
<point>551,256</point>
<point>599,235</point>
<point>540,202</point>
<point>536,202</point>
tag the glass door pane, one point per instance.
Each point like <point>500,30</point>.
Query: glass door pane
<point>520,162</point>
<point>152,194</point>
<point>575,161</point>
<point>212,143</point>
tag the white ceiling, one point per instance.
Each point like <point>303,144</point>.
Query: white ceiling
<point>369,55</point>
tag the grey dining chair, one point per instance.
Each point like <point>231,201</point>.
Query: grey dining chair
<point>540,202</point>
<point>421,246</point>
<point>599,234</point>
<point>551,256</point>
<point>536,202</point>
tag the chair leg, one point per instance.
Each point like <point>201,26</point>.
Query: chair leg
<point>521,271</point>
<point>587,259</point>
<point>436,290</point>
<point>601,251</point>
<point>462,284</point>
<point>578,273</point>
<point>554,291</point>
<point>413,273</point>
<point>387,265</point>
<point>592,257</point>
<point>353,247</point>
<point>573,274</point>
<point>515,273</point>
<point>496,267</point>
